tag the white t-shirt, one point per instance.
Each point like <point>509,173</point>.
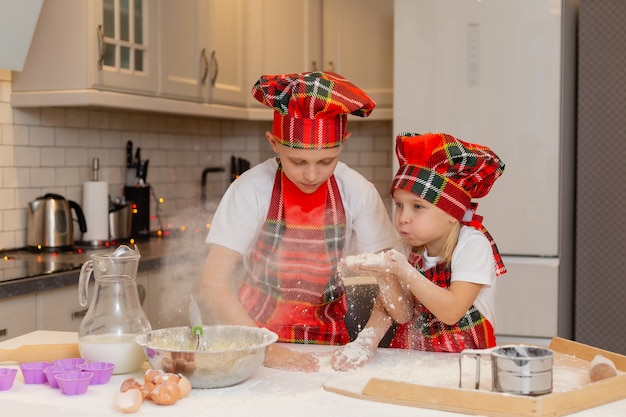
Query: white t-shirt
<point>472,261</point>
<point>242,211</point>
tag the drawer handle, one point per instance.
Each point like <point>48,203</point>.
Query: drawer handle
<point>79,314</point>
<point>3,332</point>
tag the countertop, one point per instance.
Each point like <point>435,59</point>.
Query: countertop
<point>268,392</point>
<point>153,253</point>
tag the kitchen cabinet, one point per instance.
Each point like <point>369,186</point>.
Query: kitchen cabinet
<point>358,44</point>
<point>81,45</point>
<point>18,316</point>
<point>201,50</point>
<point>59,309</point>
<point>200,57</point>
<point>351,37</point>
<point>287,37</point>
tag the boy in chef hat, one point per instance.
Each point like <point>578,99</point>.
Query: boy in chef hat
<point>448,283</point>
<point>293,217</point>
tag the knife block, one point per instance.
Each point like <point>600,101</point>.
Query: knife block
<point>139,198</point>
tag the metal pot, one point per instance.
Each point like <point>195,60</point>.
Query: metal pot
<point>524,370</point>
<point>120,221</point>
<point>50,223</point>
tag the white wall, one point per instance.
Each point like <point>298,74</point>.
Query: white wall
<point>50,150</point>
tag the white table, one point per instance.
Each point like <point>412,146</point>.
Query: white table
<point>268,392</point>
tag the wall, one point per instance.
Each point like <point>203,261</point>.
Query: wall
<point>51,150</point>
<point>600,189</point>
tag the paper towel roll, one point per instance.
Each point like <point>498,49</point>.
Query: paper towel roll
<point>96,210</point>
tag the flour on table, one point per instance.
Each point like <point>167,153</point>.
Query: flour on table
<point>442,370</point>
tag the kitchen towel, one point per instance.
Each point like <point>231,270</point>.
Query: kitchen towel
<point>96,210</point>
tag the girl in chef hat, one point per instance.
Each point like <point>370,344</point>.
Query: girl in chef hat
<point>443,298</point>
<point>292,218</point>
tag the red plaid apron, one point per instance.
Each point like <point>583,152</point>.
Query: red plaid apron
<point>292,286</point>
<point>426,332</point>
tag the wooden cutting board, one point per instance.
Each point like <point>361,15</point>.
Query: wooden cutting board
<point>495,404</point>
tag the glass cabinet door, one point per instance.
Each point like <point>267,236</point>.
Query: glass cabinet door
<point>126,40</point>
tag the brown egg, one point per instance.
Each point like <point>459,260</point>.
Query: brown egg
<point>129,383</point>
<point>601,371</point>
<point>148,387</point>
<point>169,377</point>
<point>152,375</point>
<point>129,401</point>
<point>166,393</point>
<point>600,368</point>
<point>184,386</point>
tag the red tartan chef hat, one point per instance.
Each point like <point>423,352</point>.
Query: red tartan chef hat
<point>445,171</point>
<point>311,108</point>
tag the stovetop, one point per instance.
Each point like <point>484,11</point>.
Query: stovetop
<point>24,263</point>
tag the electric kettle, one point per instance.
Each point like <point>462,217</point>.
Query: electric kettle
<point>50,223</point>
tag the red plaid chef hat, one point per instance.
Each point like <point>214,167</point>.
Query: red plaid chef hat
<point>311,108</point>
<point>448,173</point>
<point>445,171</point>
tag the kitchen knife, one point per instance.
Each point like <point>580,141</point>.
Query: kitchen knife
<point>137,164</point>
<point>129,154</point>
<point>142,172</point>
<point>43,353</point>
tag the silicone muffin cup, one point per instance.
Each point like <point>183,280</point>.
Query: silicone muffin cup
<point>74,382</point>
<point>70,361</point>
<point>53,370</point>
<point>102,371</point>
<point>33,372</point>
<point>7,376</point>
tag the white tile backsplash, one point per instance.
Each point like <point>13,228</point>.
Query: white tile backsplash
<point>51,150</point>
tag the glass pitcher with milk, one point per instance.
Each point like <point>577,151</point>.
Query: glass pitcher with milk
<point>114,317</point>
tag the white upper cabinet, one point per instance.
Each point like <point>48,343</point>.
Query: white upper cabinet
<point>184,69</point>
<point>201,50</point>
<point>100,44</point>
<point>200,57</point>
<point>126,34</point>
<point>358,44</point>
<point>351,37</point>
<point>227,77</point>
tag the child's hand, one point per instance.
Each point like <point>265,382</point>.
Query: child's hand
<point>281,357</point>
<point>365,263</point>
<point>355,354</point>
<point>398,265</point>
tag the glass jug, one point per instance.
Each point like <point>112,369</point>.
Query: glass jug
<point>114,317</point>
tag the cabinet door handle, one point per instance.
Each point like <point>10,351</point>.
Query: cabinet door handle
<point>101,47</point>
<point>314,65</point>
<point>79,314</point>
<point>204,64</point>
<point>331,66</point>
<point>3,332</point>
<point>217,68</point>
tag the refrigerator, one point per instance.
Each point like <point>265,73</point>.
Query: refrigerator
<point>502,73</point>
